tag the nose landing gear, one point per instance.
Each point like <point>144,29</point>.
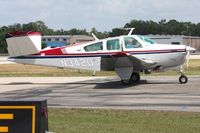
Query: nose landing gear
<point>182,79</point>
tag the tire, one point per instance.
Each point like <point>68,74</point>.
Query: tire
<point>126,82</point>
<point>183,79</point>
<point>135,77</point>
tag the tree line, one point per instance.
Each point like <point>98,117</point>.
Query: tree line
<point>171,27</point>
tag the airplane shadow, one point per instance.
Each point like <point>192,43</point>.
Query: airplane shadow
<point>49,88</point>
<point>119,85</point>
<point>95,85</point>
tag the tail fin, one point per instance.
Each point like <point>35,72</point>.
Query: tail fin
<point>23,43</point>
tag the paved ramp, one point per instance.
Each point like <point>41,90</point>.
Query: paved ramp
<point>152,93</point>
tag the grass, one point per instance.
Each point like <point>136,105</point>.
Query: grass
<point>193,69</point>
<point>119,121</point>
<point>17,70</point>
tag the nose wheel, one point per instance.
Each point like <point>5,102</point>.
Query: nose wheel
<point>183,79</point>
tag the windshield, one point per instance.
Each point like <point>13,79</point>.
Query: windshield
<point>131,42</point>
<point>147,40</point>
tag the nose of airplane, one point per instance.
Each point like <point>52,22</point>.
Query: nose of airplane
<point>190,49</point>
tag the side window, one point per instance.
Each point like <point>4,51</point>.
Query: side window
<point>131,42</point>
<point>94,47</point>
<point>113,44</point>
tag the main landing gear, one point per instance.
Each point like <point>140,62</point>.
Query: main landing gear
<point>182,79</point>
<point>135,78</point>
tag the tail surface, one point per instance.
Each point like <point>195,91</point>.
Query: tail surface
<point>23,43</point>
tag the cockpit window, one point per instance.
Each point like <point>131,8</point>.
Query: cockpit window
<point>113,44</point>
<point>146,39</point>
<point>94,47</point>
<point>131,42</point>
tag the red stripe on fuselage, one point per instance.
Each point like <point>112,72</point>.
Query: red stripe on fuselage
<point>58,51</point>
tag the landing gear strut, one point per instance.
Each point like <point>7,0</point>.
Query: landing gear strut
<point>135,78</point>
<point>182,79</point>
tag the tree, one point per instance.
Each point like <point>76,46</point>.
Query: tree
<point>172,27</point>
<point>100,35</point>
<point>117,32</point>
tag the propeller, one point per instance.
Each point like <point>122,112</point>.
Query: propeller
<point>189,50</point>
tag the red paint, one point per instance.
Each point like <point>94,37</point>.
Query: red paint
<point>119,54</point>
<point>20,33</point>
<point>55,51</point>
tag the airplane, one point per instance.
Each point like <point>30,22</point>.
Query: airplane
<point>127,55</point>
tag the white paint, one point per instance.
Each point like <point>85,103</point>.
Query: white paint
<point>86,63</point>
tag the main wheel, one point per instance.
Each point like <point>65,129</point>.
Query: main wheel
<point>126,82</point>
<point>183,79</point>
<point>135,77</point>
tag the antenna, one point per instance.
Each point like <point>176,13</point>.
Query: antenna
<point>131,30</point>
<point>96,39</point>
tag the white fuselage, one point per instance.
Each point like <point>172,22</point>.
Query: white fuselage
<point>108,56</point>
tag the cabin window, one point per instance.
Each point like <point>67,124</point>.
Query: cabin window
<point>94,47</point>
<point>131,42</point>
<point>113,44</point>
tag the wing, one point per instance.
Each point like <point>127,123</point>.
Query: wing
<point>139,64</point>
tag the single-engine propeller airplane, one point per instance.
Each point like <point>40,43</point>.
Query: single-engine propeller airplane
<point>127,55</point>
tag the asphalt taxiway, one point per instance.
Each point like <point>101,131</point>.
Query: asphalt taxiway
<point>152,93</point>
